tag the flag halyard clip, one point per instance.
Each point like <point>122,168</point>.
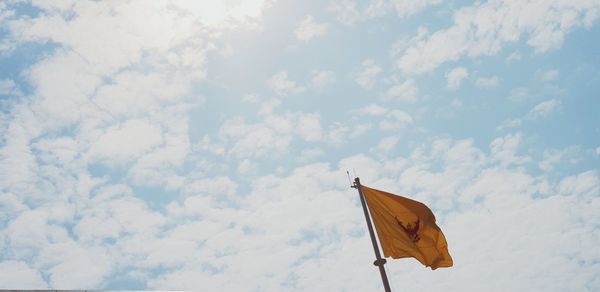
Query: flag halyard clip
<point>379,262</point>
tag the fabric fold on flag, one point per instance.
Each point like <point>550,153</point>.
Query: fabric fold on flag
<point>407,228</point>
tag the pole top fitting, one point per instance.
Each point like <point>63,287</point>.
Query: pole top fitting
<point>356,183</point>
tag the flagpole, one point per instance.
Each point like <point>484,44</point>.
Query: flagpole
<point>379,262</point>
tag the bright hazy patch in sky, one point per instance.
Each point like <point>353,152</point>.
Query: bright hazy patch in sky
<point>203,145</point>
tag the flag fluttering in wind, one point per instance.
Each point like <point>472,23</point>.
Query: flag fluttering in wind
<point>407,228</point>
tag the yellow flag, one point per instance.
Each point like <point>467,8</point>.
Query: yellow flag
<point>406,228</point>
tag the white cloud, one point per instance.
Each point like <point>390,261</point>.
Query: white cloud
<point>519,94</point>
<point>309,127</point>
<point>159,165</point>
<point>483,29</point>
<point>547,75</point>
<point>321,79</point>
<point>345,11</point>
<point>510,123</point>
<point>63,85</point>
<point>234,259</point>
<point>373,110</point>
<point>244,166</point>
<point>113,213</point>
<point>268,106</point>
<point>271,136</point>
<point>553,157</point>
<point>487,82</point>
<point>405,92</point>
<point>598,150</point>
<point>17,162</point>
<point>74,267</point>
<point>18,275</point>
<point>309,28</point>
<point>7,45</point>
<point>455,77</point>
<point>386,144</point>
<point>125,142</point>
<point>62,150</point>
<point>395,120</point>
<point>83,87</point>
<point>406,8</point>
<point>5,12</point>
<point>351,11</point>
<point>337,133</point>
<point>133,93</point>
<point>8,87</point>
<point>543,109</point>
<point>172,27</point>
<point>282,85</point>
<point>310,154</point>
<point>586,185</point>
<point>214,186</point>
<point>514,56</point>
<point>30,232</point>
<point>171,51</point>
<point>504,150</point>
<point>389,120</point>
<point>10,206</point>
<point>367,77</point>
<point>251,98</point>
<point>360,129</point>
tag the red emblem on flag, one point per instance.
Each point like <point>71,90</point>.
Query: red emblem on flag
<point>410,229</point>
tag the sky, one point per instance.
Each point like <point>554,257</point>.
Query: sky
<point>204,145</point>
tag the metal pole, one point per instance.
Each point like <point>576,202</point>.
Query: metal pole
<point>379,262</point>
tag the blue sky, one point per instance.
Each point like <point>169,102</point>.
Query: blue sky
<point>190,145</point>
